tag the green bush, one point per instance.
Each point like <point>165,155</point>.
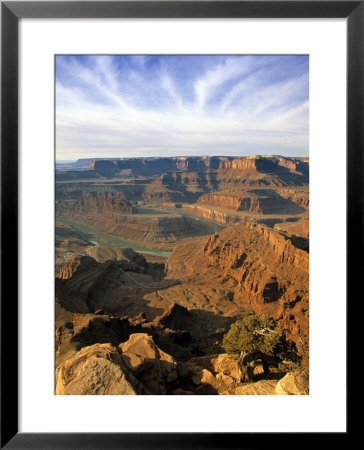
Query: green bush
<point>255,332</point>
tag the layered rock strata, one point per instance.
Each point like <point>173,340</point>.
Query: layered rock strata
<point>244,266</point>
<point>259,201</point>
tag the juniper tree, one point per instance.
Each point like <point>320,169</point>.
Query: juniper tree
<point>254,333</point>
<point>255,337</point>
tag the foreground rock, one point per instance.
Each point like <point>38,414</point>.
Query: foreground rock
<point>137,366</point>
<point>294,383</point>
<point>263,387</point>
<point>153,367</point>
<point>222,364</point>
<point>95,370</point>
<point>213,374</point>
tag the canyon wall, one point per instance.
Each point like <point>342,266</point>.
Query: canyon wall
<point>245,266</point>
<point>213,214</point>
<point>107,204</point>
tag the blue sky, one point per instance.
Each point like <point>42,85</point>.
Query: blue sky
<point>124,106</point>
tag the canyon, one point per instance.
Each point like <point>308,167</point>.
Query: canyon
<point>157,257</point>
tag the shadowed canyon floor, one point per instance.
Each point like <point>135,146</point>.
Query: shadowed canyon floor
<point>156,258</point>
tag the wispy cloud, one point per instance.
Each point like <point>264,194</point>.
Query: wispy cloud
<point>116,106</point>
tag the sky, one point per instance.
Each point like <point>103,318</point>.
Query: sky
<point>174,105</point>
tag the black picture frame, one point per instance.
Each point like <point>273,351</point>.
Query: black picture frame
<point>11,12</point>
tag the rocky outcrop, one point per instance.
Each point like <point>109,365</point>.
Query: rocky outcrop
<point>300,227</point>
<point>79,282</point>
<point>258,201</point>
<point>130,190</point>
<point>263,387</point>
<point>218,374</point>
<point>140,167</point>
<point>107,204</point>
<point>176,317</point>
<point>263,171</point>
<point>139,366</point>
<point>266,164</point>
<point>299,196</point>
<point>246,265</point>
<point>153,367</point>
<point>212,213</point>
<point>219,365</point>
<point>201,164</point>
<point>94,370</point>
<point>235,201</point>
<point>294,383</point>
<point>180,187</point>
<point>136,366</point>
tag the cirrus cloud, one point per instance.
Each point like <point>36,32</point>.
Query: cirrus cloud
<point>122,106</point>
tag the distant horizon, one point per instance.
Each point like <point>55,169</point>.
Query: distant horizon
<point>181,104</point>
<point>175,156</point>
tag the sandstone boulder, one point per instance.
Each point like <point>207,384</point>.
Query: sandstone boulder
<point>204,376</point>
<point>294,383</point>
<point>94,370</point>
<point>153,367</point>
<point>219,364</point>
<point>227,365</point>
<point>263,387</point>
<point>224,379</point>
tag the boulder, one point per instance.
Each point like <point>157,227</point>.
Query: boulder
<point>204,376</point>
<point>222,363</point>
<point>263,387</point>
<point>224,379</point>
<point>226,364</point>
<point>294,383</point>
<point>94,370</point>
<point>153,367</point>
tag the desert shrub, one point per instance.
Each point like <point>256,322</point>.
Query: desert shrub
<point>303,346</point>
<point>290,365</point>
<point>255,332</point>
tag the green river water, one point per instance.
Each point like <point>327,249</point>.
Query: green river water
<point>103,239</point>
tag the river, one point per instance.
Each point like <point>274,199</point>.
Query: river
<point>101,238</point>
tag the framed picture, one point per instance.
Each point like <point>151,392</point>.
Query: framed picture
<point>291,72</point>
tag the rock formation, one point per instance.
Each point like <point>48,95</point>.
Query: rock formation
<point>90,329</point>
<point>261,201</point>
<point>82,279</point>
<point>221,216</point>
<point>139,167</point>
<point>97,369</point>
<point>294,383</point>
<point>154,368</point>
<point>102,204</point>
<point>252,266</point>
<point>266,164</point>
